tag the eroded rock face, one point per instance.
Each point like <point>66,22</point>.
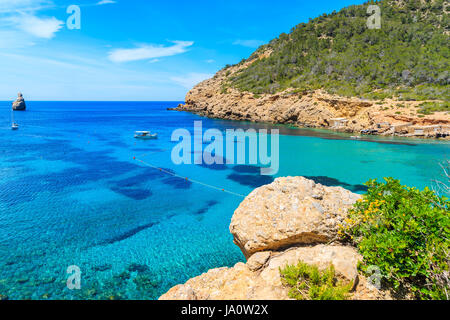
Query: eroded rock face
<point>19,104</point>
<point>242,283</point>
<point>290,211</point>
<point>215,98</point>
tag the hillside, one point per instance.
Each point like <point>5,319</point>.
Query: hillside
<point>408,57</point>
<point>334,66</point>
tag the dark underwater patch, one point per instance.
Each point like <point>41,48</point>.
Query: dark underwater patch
<point>103,267</point>
<point>133,193</point>
<point>253,181</point>
<point>127,234</point>
<point>177,183</point>
<point>332,182</point>
<point>130,186</point>
<point>214,166</point>
<point>147,150</point>
<point>137,179</point>
<point>246,169</point>
<point>140,268</point>
<point>146,282</point>
<point>205,209</point>
<point>92,166</point>
<point>167,170</point>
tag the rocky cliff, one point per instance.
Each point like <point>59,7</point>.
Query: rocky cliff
<point>216,99</point>
<point>337,72</point>
<point>293,219</point>
<point>19,104</point>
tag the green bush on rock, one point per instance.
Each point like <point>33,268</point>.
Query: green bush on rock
<point>307,282</point>
<point>405,233</point>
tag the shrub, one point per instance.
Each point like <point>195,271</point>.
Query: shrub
<point>224,89</point>
<point>404,232</point>
<point>307,282</point>
<point>431,107</point>
<point>407,58</point>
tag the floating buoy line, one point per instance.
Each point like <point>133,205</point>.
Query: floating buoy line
<point>189,179</point>
<point>163,170</point>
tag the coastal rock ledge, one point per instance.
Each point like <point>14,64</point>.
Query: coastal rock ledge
<point>291,220</point>
<point>217,98</point>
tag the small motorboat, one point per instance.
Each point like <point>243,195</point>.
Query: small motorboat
<point>145,135</point>
<point>355,137</point>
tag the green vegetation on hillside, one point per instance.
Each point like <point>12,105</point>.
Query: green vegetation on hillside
<point>431,107</point>
<point>407,58</point>
<point>405,233</point>
<point>307,282</point>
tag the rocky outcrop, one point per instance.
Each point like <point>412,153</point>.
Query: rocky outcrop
<point>215,98</point>
<point>291,220</point>
<point>246,282</point>
<point>19,104</point>
<point>290,211</point>
<point>259,278</point>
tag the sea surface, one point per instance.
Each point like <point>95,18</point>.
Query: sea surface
<point>71,193</point>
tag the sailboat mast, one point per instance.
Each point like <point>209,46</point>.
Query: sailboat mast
<point>12,115</point>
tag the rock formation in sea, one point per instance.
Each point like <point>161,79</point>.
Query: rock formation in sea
<point>291,220</point>
<point>19,104</point>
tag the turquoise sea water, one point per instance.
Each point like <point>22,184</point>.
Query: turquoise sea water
<point>71,194</point>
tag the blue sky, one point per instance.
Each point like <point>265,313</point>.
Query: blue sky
<point>135,49</point>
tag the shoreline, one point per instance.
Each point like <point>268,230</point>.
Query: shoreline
<point>328,133</point>
<point>216,98</point>
<point>439,137</point>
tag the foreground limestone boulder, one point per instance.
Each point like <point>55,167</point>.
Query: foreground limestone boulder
<point>290,211</point>
<point>244,282</point>
<point>279,224</point>
<point>19,104</point>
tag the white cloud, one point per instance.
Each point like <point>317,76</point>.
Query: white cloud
<point>190,80</point>
<point>9,6</point>
<point>21,25</point>
<point>102,2</point>
<point>38,27</point>
<point>210,61</point>
<point>249,43</point>
<point>146,52</point>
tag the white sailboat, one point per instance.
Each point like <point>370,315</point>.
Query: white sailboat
<point>14,125</point>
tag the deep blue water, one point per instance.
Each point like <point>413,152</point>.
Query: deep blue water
<point>71,194</point>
